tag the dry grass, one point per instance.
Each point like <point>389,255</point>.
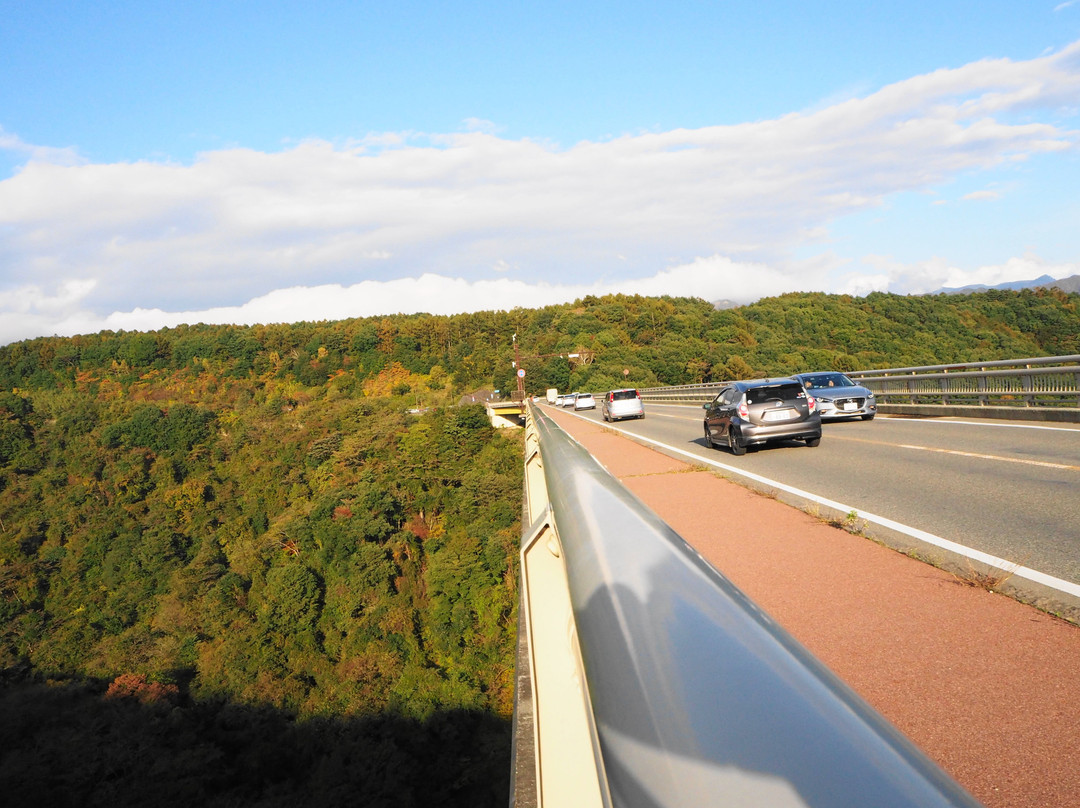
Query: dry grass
<point>984,576</point>
<point>687,469</point>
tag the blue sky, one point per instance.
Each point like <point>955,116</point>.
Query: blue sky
<point>251,162</point>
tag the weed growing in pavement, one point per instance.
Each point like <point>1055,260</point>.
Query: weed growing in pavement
<point>690,468</point>
<point>850,523</point>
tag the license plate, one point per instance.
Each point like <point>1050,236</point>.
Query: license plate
<point>850,405</point>
<point>778,415</point>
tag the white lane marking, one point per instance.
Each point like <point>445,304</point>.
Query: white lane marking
<point>1000,426</point>
<point>1042,463</point>
<point>960,549</point>
<point>668,415</point>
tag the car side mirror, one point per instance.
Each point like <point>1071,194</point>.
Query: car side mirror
<point>704,406</point>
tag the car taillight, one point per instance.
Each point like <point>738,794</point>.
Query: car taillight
<point>811,402</point>
<point>744,411</point>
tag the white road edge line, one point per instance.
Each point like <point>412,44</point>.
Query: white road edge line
<point>937,541</point>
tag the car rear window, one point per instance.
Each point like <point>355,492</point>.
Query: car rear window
<point>784,392</point>
<point>827,380</point>
<point>622,395</point>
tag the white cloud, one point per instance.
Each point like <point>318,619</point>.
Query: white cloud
<point>482,125</point>
<point>715,212</point>
<point>430,293</point>
<point>48,154</point>
<point>982,196</point>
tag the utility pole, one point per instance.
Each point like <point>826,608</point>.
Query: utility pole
<point>519,394</point>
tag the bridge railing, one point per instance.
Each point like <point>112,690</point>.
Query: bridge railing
<point>653,681</point>
<point>1048,383</point>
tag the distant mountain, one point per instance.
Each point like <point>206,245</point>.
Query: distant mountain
<point>1045,280</point>
<point>1067,285</point>
<point>1070,284</point>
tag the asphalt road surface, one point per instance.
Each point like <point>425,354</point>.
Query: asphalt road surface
<point>1007,488</point>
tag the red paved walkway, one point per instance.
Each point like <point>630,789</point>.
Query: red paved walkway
<point>988,687</point>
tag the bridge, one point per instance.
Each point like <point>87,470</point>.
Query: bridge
<point>652,650</point>
<point>505,414</point>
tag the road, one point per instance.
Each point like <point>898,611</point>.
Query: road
<point>1010,489</point>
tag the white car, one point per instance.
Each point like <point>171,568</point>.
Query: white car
<point>584,401</point>
<point>624,403</point>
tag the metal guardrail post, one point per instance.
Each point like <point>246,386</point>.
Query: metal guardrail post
<point>690,695</point>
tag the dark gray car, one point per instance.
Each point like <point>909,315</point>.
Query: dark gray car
<point>838,396</point>
<point>750,413</point>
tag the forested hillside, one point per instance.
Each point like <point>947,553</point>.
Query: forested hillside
<point>223,590</point>
<point>277,564</point>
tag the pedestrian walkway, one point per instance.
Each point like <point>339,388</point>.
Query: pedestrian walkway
<point>986,686</point>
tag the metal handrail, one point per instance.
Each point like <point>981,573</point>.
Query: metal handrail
<point>993,363</point>
<point>695,697</point>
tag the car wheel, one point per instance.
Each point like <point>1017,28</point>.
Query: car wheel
<point>812,442</point>
<point>708,438</point>
<point>868,418</point>
<point>733,443</point>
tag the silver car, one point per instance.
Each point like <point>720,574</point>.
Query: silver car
<point>751,413</point>
<point>619,404</point>
<point>838,396</point>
